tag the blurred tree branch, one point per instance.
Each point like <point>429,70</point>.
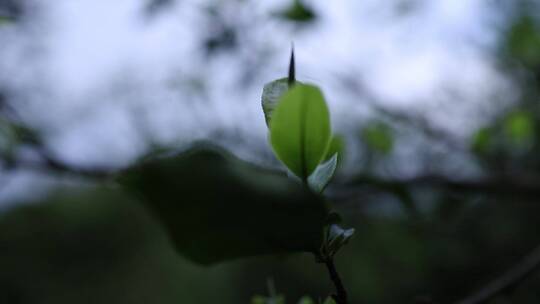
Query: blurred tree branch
<point>507,187</point>
<point>508,281</point>
<point>31,139</point>
<point>418,122</point>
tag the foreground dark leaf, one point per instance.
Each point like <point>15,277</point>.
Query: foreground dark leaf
<point>216,207</point>
<point>86,245</point>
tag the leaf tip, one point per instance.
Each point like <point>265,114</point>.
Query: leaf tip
<point>292,68</point>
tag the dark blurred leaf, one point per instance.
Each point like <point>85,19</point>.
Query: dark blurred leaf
<point>154,7</point>
<point>5,20</point>
<point>298,11</point>
<point>8,139</point>
<point>216,207</point>
<point>306,300</point>
<point>11,10</point>
<point>278,299</point>
<point>93,242</point>
<point>329,301</point>
<point>512,134</point>
<point>482,140</point>
<point>519,127</point>
<point>379,137</point>
<point>524,41</point>
<point>223,39</point>
<point>407,7</point>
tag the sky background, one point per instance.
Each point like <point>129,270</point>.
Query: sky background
<point>102,79</point>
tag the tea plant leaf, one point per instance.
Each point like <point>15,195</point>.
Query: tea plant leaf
<point>216,207</point>
<point>323,174</point>
<point>272,92</point>
<point>337,145</point>
<point>337,237</point>
<point>300,129</point>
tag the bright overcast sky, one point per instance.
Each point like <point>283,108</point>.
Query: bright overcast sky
<point>84,68</point>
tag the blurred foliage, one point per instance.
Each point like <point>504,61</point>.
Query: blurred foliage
<point>520,127</point>
<point>4,20</point>
<point>10,10</point>
<point>217,207</point>
<point>275,298</point>
<point>101,245</point>
<point>224,39</point>
<point>8,141</point>
<point>298,12</point>
<point>93,246</point>
<point>154,7</point>
<point>524,41</point>
<point>378,137</point>
<point>222,33</point>
<point>510,143</point>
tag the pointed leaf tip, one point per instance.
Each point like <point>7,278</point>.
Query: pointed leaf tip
<point>292,68</point>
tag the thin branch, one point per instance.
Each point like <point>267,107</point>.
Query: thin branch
<point>49,164</point>
<point>509,187</point>
<point>508,281</point>
<point>418,122</point>
<point>31,138</point>
<point>341,293</point>
<point>58,166</point>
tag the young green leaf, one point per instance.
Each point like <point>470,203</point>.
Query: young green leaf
<point>271,94</point>
<point>323,174</point>
<point>336,237</point>
<point>337,145</point>
<point>300,129</point>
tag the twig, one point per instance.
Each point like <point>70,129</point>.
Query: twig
<point>513,187</point>
<point>418,122</point>
<point>509,280</point>
<point>60,167</point>
<point>49,164</point>
<point>341,293</point>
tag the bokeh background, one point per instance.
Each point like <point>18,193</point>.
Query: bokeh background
<point>437,103</point>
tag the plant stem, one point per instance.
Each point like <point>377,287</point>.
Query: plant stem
<point>341,294</point>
